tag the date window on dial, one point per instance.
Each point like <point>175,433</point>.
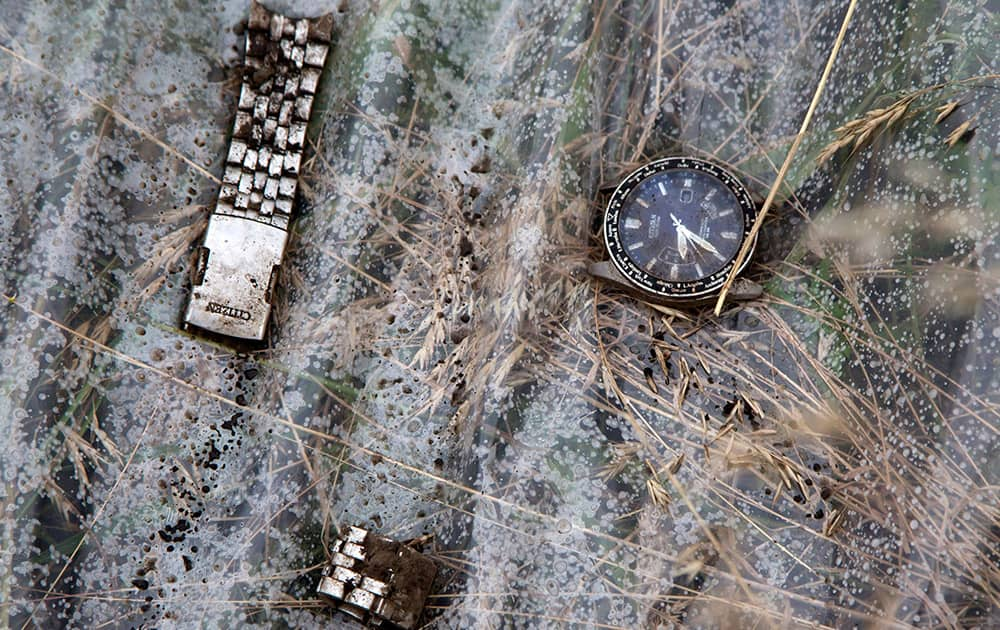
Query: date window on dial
<point>686,195</point>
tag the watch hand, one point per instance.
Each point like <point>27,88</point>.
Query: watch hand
<point>682,245</point>
<point>682,235</point>
<point>700,242</point>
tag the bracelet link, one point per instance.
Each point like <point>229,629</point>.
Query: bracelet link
<point>247,232</point>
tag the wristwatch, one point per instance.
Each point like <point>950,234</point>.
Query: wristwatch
<point>672,230</point>
<point>238,262</point>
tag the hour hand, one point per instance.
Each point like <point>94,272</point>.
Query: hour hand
<point>682,243</point>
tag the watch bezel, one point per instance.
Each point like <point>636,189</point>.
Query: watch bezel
<point>646,282</point>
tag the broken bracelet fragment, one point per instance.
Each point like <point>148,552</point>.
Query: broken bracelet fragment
<point>376,580</point>
<point>238,262</point>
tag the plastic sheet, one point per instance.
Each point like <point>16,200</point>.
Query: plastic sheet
<point>440,363</point>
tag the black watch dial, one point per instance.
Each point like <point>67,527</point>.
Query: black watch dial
<point>674,226</point>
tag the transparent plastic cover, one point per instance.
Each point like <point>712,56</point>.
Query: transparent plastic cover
<point>441,366</point>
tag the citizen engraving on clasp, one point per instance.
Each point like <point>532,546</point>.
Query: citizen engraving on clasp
<point>237,270</point>
<point>239,261</point>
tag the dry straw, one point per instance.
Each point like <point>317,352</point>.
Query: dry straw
<point>752,238</point>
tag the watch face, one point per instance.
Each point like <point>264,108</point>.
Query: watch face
<point>674,226</point>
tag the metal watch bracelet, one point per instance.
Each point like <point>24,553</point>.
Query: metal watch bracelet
<point>238,263</point>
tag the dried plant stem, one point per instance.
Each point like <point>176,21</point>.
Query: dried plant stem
<point>7,570</point>
<point>120,117</point>
<point>748,243</point>
<point>86,530</point>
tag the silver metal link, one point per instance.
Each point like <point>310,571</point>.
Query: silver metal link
<point>238,264</point>
<point>393,599</point>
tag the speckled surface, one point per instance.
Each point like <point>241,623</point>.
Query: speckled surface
<point>439,363</point>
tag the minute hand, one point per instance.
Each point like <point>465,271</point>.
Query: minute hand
<point>699,241</point>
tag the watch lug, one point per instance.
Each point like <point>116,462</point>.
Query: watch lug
<point>605,270</point>
<point>744,289</point>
